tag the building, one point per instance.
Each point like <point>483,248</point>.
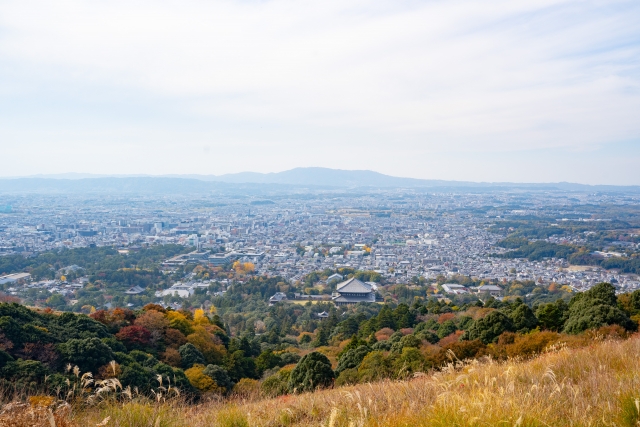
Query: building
<point>334,278</point>
<point>134,290</point>
<point>277,297</point>
<point>492,290</point>
<point>219,259</point>
<point>13,278</point>
<point>454,288</point>
<point>179,289</point>
<point>353,291</point>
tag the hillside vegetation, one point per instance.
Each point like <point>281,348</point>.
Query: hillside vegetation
<point>597,385</point>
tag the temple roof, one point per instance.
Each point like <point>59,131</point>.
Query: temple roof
<point>353,286</point>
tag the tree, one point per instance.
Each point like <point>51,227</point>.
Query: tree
<point>312,372</point>
<point>352,358</point>
<point>446,329</point>
<point>220,376</point>
<point>595,308</point>
<point>374,366</point>
<point>199,380</point>
<point>134,336</point>
<point>190,356</point>
<point>267,360</point>
<point>209,345</point>
<point>552,316</point>
<point>523,319</point>
<point>89,353</point>
<point>277,384</point>
<point>409,362</point>
<point>489,328</point>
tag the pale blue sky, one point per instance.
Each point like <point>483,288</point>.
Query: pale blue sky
<point>524,91</point>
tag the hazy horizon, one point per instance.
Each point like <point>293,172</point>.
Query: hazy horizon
<point>308,171</point>
<point>526,92</point>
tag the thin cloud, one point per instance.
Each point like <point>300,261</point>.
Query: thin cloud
<point>419,78</point>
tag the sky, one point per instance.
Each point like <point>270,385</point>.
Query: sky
<point>517,91</point>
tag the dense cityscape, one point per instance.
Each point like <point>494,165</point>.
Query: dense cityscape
<point>412,237</point>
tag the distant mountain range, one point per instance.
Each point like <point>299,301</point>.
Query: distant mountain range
<point>298,177</point>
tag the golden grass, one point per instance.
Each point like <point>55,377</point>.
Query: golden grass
<point>597,385</point>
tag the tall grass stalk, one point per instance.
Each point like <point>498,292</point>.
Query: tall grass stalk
<point>594,386</point>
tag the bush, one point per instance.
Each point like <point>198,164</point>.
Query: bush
<point>190,356</point>
<point>312,372</point>
<point>134,337</point>
<point>199,380</point>
<point>461,350</point>
<point>24,372</point>
<point>489,328</point>
<point>89,353</point>
<point>277,384</point>
<point>347,377</point>
<point>220,376</point>
<point>134,375</point>
<point>352,358</point>
<point>531,344</point>
<point>247,388</point>
<point>374,366</point>
<point>409,362</point>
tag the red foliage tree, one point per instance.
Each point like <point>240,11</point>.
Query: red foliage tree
<point>134,336</point>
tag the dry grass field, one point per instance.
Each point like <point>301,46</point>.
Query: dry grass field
<point>598,385</point>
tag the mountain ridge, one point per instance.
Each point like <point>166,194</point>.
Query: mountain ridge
<point>303,176</point>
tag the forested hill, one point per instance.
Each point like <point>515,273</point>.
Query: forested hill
<point>39,349</point>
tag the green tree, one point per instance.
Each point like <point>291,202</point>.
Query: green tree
<point>190,356</point>
<point>374,366</point>
<point>595,308</point>
<point>446,328</point>
<point>220,376</point>
<point>267,360</point>
<point>352,358</point>
<point>552,316</point>
<point>523,319</point>
<point>89,353</point>
<point>312,372</point>
<point>489,328</point>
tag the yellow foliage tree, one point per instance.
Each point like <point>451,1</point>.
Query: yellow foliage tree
<point>180,322</point>
<point>199,380</point>
<point>199,317</point>
<point>208,344</point>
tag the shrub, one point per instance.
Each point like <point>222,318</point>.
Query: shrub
<point>347,377</point>
<point>374,366</point>
<point>220,376</point>
<point>89,353</point>
<point>190,356</point>
<point>490,327</point>
<point>409,362</point>
<point>531,344</point>
<point>134,336</point>
<point>247,388</point>
<point>312,372</point>
<point>199,380</point>
<point>352,358</point>
<point>277,384</point>
<point>461,350</point>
